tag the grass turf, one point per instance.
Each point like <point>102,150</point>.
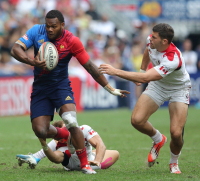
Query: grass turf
<point>17,137</point>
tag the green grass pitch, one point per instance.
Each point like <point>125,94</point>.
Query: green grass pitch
<point>17,137</point>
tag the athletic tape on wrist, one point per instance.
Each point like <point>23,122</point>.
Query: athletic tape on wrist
<point>116,92</point>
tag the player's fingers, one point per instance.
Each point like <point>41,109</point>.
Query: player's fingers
<point>104,66</point>
<point>123,95</point>
<point>138,84</point>
<point>102,71</point>
<point>124,92</point>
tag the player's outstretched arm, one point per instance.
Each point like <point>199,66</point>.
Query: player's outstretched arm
<point>97,143</point>
<point>100,78</point>
<point>150,75</point>
<point>18,52</point>
<point>55,157</point>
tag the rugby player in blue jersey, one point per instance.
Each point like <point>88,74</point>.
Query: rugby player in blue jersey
<point>51,89</point>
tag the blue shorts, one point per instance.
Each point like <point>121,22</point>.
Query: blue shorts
<point>44,102</point>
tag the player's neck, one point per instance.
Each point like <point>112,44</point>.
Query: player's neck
<point>60,34</point>
<point>163,48</point>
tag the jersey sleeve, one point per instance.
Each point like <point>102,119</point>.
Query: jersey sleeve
<point>148,40</point>
<point>168,66</point>
<point>88,132</point>
<point>78,51</point>
<point>27,40</point>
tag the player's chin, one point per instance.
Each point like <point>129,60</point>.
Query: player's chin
<point>51,37</point>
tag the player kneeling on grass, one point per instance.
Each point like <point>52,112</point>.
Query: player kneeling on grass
<point>63,151</point>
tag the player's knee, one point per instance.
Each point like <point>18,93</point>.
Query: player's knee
<point>116,153</point>
<point>69,119</point>
<point>40,131</point>
<point>176,134</point>
<point>136,120</point>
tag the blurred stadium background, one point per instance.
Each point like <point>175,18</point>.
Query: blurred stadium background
<point>112,31</point>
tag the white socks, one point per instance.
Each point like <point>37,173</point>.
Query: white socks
<point>40,154</point>
<point>174,158</point>
<point>157,137</point>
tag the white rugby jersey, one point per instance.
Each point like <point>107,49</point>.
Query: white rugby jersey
<point>88,133</point>
<point>170,65</point>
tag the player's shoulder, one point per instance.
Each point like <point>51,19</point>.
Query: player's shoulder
<point>85,127</point>
<point>39,29</point>
<point>172,53</point>
<point>68,35</point>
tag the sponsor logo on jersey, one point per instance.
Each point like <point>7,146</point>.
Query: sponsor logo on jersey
<point>68,98</point>
<point>25,37</point>
<point>164,69</point>
<point>62,46</point>
<point>41,41</point>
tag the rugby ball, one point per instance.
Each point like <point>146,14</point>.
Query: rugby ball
<point>49,52</point>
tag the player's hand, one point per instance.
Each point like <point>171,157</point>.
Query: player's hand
<point>124,92</point>
<point>137,83</point>
<point>107,69</point>
<point>41,64</point>
<point>116,92</point>
<point>94,162</point>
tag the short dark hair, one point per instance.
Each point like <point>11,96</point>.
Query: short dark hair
<point>55,14</point>
<point>165,31</point>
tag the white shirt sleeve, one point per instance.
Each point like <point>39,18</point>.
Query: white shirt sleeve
<point>148,41</point>
<point>88,132</point>
<point>167,67</point>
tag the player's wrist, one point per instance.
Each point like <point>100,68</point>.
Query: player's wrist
<point>31,62</point>
<point>113,91</point>
<point>45,147</point>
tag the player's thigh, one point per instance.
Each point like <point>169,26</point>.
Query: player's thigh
<point>41,105</point>
<point>178,114</point>
<point>145,107</point>
<point>63,100</point>
<point>111,155</point>
<point>41,123</point>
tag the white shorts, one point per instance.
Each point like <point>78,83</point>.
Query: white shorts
<point>74,162</point>
<point>160,95</point>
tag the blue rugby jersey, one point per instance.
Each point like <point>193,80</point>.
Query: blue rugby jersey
<point>67,45</point>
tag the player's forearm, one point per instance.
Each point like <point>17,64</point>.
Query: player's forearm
<point>145,60</point>
<point>94,72</point>
<point>132,76</point>
<point>18,53</point>
<point>55,158</point>
<point>100,152</point>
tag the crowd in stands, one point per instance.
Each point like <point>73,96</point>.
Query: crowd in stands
<point>102,39</point>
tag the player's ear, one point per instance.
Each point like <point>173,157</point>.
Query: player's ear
<point>63,25</point>
<point>165,41</point>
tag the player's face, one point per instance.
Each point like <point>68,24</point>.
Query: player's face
<point>155,40</point>
<point>54,28</point>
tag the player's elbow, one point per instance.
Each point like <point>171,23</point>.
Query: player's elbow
<point>12,52</point>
